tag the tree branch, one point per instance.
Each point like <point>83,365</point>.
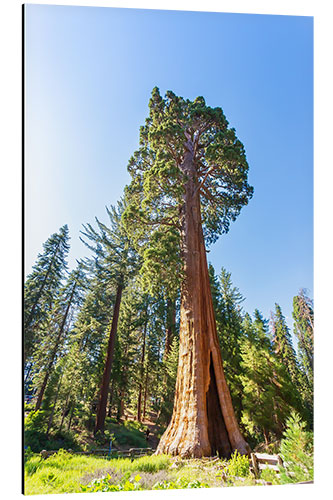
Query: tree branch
<point>207,194</point>
<point>203,180</point>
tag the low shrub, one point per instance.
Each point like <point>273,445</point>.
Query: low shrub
<point>150,479</point>
<point>105,484</point>
<point>238,465</point>
<point>297,452</point>
<point>130,484</point>
<point>270,476</point>
<point>180,483</point>
<point>32,464</point>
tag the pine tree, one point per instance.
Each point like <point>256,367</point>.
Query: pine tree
<point>283,344</point>
<point>42,287</point>
<point>286,354</point>
<point>128,352</point>
<point>54,330</point>
<point>229,319</point>
<point>303,329</point>
<point>117,260</point>
<point>268,392</point>
<point>90,331</point>
<point>189,181</point>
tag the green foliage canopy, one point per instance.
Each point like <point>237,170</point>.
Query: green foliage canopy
<point>175,126</point>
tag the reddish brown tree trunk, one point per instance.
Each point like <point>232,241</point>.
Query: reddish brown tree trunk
<point>203,421</point>
<point>101,410</point>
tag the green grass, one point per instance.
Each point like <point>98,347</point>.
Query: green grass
<point>70,473</point>
<point>64,472</point>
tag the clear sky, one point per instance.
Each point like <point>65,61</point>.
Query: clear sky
<point>89,75</point>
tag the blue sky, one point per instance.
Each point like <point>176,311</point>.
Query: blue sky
<point>89,74</point>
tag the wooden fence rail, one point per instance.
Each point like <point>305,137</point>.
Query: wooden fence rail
<point>261,461</point>
<point>113,453</point>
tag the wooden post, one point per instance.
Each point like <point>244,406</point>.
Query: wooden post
<point>255,465</point>
<point>280,461</point>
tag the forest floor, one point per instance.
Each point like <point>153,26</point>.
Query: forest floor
<point>65,472</point>
<point>68,473</point>
<point>155,430</point>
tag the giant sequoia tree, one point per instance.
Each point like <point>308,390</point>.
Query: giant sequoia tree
<point>189,181</point>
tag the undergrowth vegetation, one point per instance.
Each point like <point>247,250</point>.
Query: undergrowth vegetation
<point>126,433</point>
<point>66,472</point>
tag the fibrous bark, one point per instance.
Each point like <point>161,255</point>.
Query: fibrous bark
<point>203,421</point>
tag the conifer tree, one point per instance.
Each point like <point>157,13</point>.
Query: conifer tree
<point>117,261</point>
<point>268,392</point>
<point>283,344</point>
<point>89,333</point>
<point>42,286</point>
<point>230,333</point>
<point>54,330</point>
<point>189,181</point>
<point>303,329</point>
<point>126,373</point>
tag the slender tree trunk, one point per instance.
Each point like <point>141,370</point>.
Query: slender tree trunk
<point>101,410</point>
<point>203,421</point>
<point>54,352</point>
<point>142,370</point>
<point>145,395</point>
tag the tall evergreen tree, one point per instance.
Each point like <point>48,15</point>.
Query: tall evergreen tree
<point>231,336</point>
<point>303,329</point>
<point>285,352</point>
<point>189,181</point>
<point>268,392</point>
<point>42,286</point>
<point>117,260</point>
<point>89,332</point>
<point>54,330</point>
<point>283,344</point>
